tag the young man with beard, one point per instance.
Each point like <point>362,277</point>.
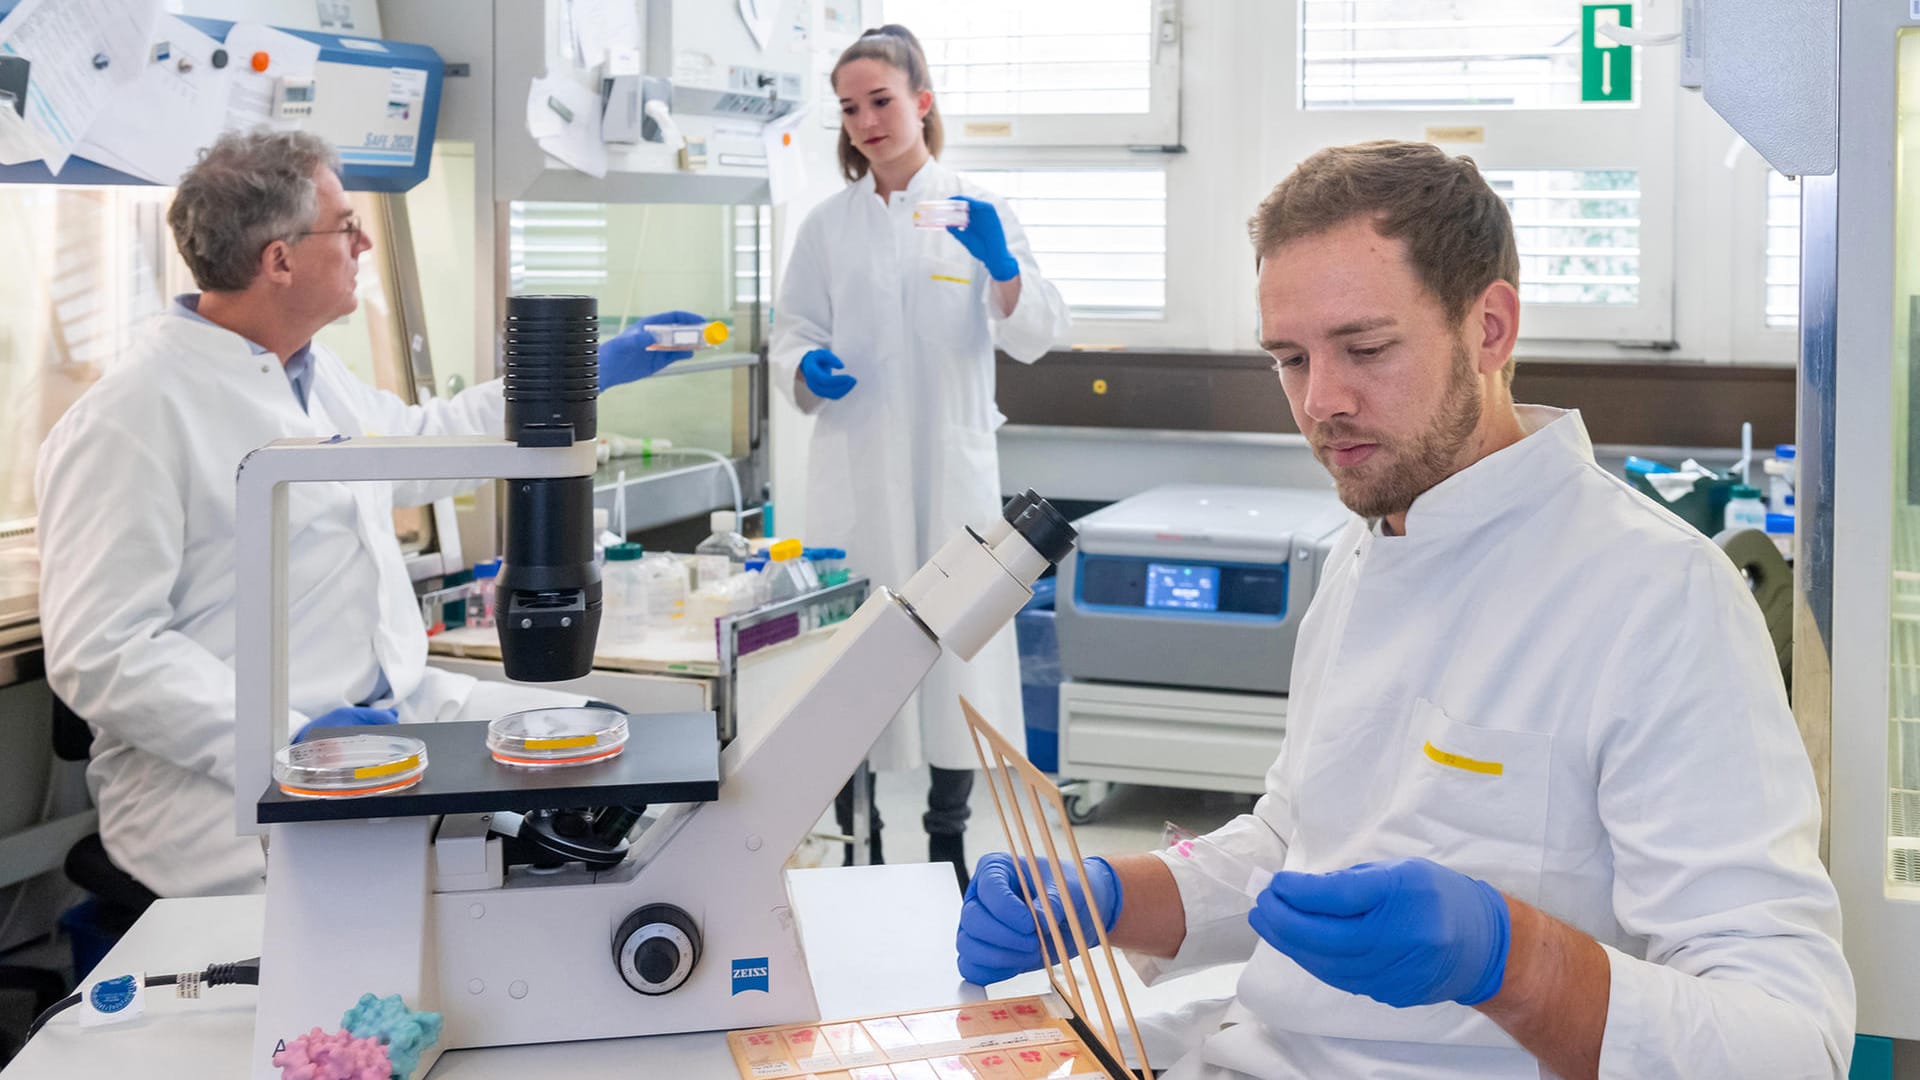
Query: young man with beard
<point>1542,808</point>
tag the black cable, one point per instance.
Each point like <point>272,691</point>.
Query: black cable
<point>238,973</point>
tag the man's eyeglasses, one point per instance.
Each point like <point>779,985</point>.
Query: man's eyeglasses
<point>352,228</point>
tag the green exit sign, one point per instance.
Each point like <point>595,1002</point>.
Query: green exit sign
<point>1606,66</point>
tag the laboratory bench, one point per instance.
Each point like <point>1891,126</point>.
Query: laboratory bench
<point>879,940</point>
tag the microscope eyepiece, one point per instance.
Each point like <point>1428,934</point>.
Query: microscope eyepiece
<point>549,587</point>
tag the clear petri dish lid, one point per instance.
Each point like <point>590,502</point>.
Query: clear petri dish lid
<point>940,213</point>
<point>350,766</point>
<point>543,738</point>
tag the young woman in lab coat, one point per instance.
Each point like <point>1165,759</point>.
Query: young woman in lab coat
<point>886,333</point>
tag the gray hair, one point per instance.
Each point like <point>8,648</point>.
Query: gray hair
<point>247,190</point>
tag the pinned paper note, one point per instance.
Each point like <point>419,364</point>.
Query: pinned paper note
<point>564,118</point>
<point>174,110</point>
<point>758,15</point>
<point>786,159</point>
<point>83,54</point>
<point>601,27</point>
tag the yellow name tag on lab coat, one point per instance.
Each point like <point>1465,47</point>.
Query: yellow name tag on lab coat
<point>1456,761</point>
<point>950,277</point>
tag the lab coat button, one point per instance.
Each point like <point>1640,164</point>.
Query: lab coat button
<point>478,911</point>
<point>475,986</point>
<point>753,843</point>
<point>516,989</point>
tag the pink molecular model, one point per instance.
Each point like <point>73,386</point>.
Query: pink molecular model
<point>337,1056</point>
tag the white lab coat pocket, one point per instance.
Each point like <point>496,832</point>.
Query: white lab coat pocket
<point>1476,799</point>
<point>950,290</point>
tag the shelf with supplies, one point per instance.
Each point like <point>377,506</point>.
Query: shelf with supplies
<point>805,619</point>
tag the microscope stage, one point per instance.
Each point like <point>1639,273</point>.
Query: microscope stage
<point>669,757</point>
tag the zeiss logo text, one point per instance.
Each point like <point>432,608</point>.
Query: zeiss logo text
<point>750,974</point>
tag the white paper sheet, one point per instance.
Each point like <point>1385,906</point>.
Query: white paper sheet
<point>157,129</point>
<point>576,138</point>
<point>602,26</point>
<point>758,15</point>
<point>66,91</point>
<point>250,95</point>
<point>786,160</point>
<point>542,121</point>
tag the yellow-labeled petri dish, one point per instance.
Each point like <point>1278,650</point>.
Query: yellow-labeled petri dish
<point>940,214</point>
<point>549,738</point>
<point>350,766</point>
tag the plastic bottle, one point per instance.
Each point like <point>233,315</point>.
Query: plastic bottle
<point>603,536</point>
<point>1745,510</point>
<point>1780,477</point>
<point>486,576</point>
<point>730,596</point>
<point>723,554</point>
<point>762,581</point>
<point>808,571</point>
<point>667,585</point>
<point>1780,531</point>
<point>786,578</point>
<point>623,592</point>
<point>706,604</point>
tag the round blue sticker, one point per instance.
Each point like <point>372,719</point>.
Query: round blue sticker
<point>112,995</point>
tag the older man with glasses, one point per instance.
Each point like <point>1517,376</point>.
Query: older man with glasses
<point>136,498</point>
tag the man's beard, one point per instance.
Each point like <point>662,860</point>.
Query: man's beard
<point>1401,472</point>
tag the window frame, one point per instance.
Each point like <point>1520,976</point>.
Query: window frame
<point>1640,137</point>
<point>1158,127</point>
<point>1118,316</point>
<point>1752,340</point>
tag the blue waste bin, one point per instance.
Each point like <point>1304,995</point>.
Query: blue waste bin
<point>1040,676</point>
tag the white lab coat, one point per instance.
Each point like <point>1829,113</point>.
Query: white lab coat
<point>900,465</point>
<point>136,503</point>
<point>1654,790</point>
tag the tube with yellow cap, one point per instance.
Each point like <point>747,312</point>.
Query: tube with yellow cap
<point>678,337</point>
<point>785,575</point>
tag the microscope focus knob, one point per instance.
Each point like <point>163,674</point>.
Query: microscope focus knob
<point>656,948</point>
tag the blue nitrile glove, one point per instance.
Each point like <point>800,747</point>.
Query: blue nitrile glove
<point>630,356</point>
<point>349,716</point>
<point>997,938</point>
<point>818,367</point>
<point>1408,932</point>
<point>986,239</point>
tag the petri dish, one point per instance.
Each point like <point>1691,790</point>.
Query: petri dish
<point>350,766</point>
<point>940,213</point>
<point>549,738</point>
<point>672,337</point>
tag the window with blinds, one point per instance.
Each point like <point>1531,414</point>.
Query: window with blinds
<point>1783,251</point>
<point>1100,235</point>
<point>1018,57</point>
<point>1578,231</point>
<point>1062,73</point>
<point>557,247</point>
<point>752,254</point>
<point>1426,54</point>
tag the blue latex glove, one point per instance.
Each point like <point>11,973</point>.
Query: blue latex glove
<point>817,369</point>
<point>986,239</point>
<point>1408,932</point>
<point>349,716</point>
<point>998,939</point>
<point>629,356</point>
